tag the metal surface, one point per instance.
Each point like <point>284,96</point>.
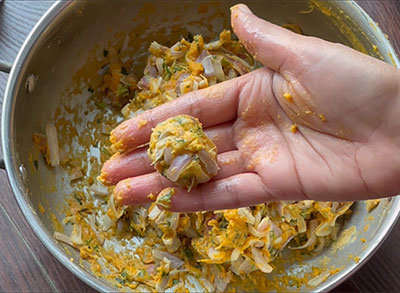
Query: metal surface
<point>60,44</point>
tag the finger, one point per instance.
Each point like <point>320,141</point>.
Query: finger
<point>229,193</point>
<point>137,162</point>
<point>121,166</point>
<point>230,163</point>
<point>277,48</point>
<point>212,106</point>
<point>135,190</point>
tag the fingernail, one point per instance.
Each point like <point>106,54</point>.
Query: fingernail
<point>242,7</point>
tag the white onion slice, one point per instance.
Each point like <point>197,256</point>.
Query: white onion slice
<point>99,189</point>
<point>210,164</point>
<point>208,66</point>
<point>175,261</point>
<point>63,238</point>
<point>177,167</point>
<point>168,156</point>
<point>52,143</point>
<point>76,236</point>
<point>260,261</point>
<point>159,65</point>
<point>219,72</point>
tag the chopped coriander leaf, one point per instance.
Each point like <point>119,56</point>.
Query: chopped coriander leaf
<point>141,273</point>
<point>105,53</point>
<point>122,91</point>
<point>36,164</point>
<point>176,68</point>
<point>165,196</point>
<point>124,274</point>
<point>121,281</point>
<point>90,90</point>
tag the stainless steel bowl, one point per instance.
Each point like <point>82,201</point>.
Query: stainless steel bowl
<point>61,42</point>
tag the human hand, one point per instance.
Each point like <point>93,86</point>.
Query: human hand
<point>345,106</point>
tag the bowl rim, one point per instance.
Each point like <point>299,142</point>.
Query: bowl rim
<point>41,232</point>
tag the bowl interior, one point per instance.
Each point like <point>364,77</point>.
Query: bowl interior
<point>62,60</point>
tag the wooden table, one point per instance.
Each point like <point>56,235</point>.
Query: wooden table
<point>26,265</point>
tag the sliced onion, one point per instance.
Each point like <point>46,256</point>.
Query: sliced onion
<point>323,229</point>
<point>219,72</point>
<point>201,177</point>
<point>76,173</point>
<point>260,261</point>
<point>301,224</point>
<point>253,231</point>
<point>106,223</point>
<point>154,213</point>
<point>214,254</point>
<point>245,267</point>
<point>305,204</point>
<point>167,155</point>
<point>221,283</point>
<point>235,254</point>
<point>276,229</point>
<point>126,111</point>
<point>202,55</point>
<point>312,238</point>
<point>190,280</point>
<point>159,65</point>
<point>92,224</point>
<point>319,279</point>
<point>231,74</point>
<point>208,161</point>
<point>334,207</point>
<point>177,50</point>
<point>175,261</point>
<point>162,284</point>
<point>178,166</point>
<point>157,47</point>
<point>174,220</point>
<point>63,156</point>
<point>76,236</point>
<point>208,66</point>
<point>264,224</point>
<point>320,246</point>
<point>245,212</point>
<point>63,238</point>
<point>111,205</point>
<point>155,84</point>
<point>207,285</point>
<point>340,211</point>
<point>151,71</point>
<point>106,129</point>
<point>195,86</point>
<point>52,143</point>
<point>99,189</point>
<point>144,83</point>
<point>213,45</point>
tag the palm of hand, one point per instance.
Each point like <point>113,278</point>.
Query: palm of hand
<point>342,103</point>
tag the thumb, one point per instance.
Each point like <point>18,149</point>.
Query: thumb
<point>277,48</point>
